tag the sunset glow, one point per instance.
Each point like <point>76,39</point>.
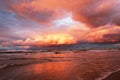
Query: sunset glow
<point>53,22</point>
<point>55,39</point>
<point>59,39</point>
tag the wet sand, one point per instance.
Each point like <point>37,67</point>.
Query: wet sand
<point>113,76</point>
<point>67,65</point>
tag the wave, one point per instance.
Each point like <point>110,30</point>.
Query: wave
<point>4,66</point>
<point>107,74</point>
<point>12,65</point>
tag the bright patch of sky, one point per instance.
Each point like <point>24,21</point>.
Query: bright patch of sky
<point>65,22</point>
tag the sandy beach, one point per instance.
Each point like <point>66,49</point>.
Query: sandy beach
<point>113,76</point>
<point>67,65</point>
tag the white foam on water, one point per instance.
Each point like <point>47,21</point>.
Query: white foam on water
<point>3,66</point>
<point>12,65</point>
<point>107,74</point>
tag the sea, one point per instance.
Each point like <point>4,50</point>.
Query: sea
<point>59,64</point>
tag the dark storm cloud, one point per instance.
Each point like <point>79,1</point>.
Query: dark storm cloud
<point>115,37</point>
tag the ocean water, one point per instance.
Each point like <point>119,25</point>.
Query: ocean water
<point>65,65</point>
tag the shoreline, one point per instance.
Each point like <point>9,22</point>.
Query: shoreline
<point>115,75</point>
<point>75,65</point>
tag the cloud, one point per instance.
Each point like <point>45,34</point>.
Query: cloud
<point>99,13</point>
<point>83,20</point>
<point>94,13</point>
<point>106,33</point>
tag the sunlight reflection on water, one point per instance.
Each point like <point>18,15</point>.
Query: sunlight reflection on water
<point>65,66</point>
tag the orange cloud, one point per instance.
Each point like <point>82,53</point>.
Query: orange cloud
<point>107,33</point>
<point>94,13</point>
<point>98,21</point>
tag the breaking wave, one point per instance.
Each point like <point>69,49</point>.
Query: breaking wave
<point>107,74</point>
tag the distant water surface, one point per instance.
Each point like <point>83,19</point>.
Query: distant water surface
<point>67,65</point>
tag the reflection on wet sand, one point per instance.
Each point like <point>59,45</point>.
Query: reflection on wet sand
<point>74,66</point>
<point>73,70</point>
<point>54,70</point>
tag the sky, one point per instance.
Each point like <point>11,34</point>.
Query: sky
<point>26,23</point>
